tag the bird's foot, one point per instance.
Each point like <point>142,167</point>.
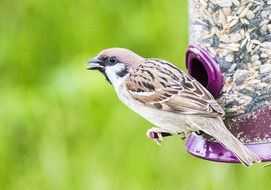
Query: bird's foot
<point>199,132</point>
<point>157,134</point>
<point>183,135</point>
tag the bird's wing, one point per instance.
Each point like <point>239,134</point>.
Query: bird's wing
<point>160,85</point>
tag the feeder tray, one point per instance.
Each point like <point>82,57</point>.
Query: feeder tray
<point>253,129</point>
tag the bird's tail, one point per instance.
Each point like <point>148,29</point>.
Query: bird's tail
<point>218,130</point>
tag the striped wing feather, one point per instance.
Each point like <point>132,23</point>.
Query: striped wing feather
<point>158,84</point>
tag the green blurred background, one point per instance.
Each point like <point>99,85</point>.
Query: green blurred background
<point>62,127</point>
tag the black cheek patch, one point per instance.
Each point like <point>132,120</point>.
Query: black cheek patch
<point>122,73</point>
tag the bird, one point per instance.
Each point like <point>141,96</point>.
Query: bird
<point>173,101</point>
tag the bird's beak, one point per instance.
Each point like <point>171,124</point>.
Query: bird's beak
<point>95,64</point>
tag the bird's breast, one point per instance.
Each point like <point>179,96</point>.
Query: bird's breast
<point>162,119</point>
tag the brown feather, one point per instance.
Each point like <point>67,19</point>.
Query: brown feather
<point>164,87</point>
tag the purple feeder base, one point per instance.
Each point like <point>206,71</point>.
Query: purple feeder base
<point>252,129</point>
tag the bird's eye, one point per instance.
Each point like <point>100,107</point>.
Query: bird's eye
<point>113,60</point>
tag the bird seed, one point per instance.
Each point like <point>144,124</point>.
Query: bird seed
<point>237,34</point>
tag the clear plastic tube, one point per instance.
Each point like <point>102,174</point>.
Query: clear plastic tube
<point>237,34</point>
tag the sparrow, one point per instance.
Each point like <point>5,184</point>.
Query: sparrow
<point>170,99</point>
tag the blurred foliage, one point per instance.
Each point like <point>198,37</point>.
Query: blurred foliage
<point>62,127</point>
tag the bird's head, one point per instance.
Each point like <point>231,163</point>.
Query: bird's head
<point>115,63</point>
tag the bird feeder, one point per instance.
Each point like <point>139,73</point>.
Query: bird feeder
<point>230,55</point>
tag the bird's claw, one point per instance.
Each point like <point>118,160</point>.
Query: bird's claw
<point>155,136</point>
<point>182,135</point>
